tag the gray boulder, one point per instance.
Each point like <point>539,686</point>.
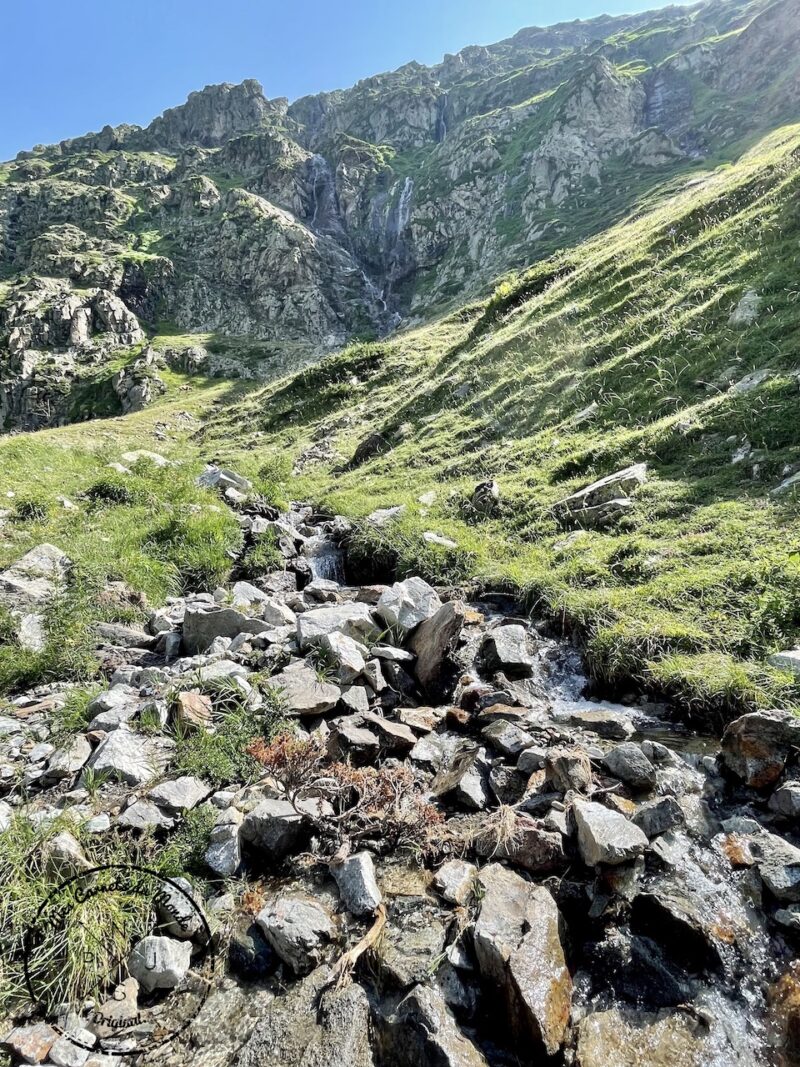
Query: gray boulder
<point>131,758</point>
<point>159,962</point>
<point>273,827</point>
<point>406,604</point>
<point>298,929</point>
<point>303,693</point>
<point>351,619</point>
<point>628,763</point>
<point>223,854</point>
<point>605,836</point>
<point>506,649</point>
<point>756,746</point>
<point>180,794</point>
<point>203,623</point>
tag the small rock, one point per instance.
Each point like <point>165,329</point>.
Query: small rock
<point>406,604</point>
<point>756,746</point>
<point>273,827</point>
<point>657,816</point>
<point>455,880</point>
<point>355,877</point>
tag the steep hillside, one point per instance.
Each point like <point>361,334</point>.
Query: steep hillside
<point>273,233</point>
<point>670,340</point>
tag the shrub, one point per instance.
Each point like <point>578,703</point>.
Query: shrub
<point>33,508</point>
<point>261,557</point>
<point>384,806</point>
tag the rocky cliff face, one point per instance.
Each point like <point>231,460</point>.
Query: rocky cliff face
<point>346,213</point>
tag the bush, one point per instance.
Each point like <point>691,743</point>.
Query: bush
<point>33,508</point>
<point>117,489</point>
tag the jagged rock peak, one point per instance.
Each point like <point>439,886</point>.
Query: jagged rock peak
<point>213,114</point>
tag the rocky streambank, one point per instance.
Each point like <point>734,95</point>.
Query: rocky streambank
<point>451,852</point>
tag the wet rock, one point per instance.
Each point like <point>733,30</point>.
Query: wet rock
<point>506,649</point>
<point>30,1043</point>
<point>181,794</point>
<point>298,929</point>
<point>455,881</point>
<point>159,962</point>
<point>569,769</point>
<point>520,957</point>
<point>636,969</point>
<point>355,877</point>
<point>628,763</point>
<point>778,863</point>
<point>614,725</point>
<point>274,828</point>
<point>433,641</point>
<point>406,604</point>
<point>658,816</point>
<point>507,738</point>
<point>785,801</point>
<point>353,620</point>
<point>605,836</point>
<point>756,746</point>
<point>626,1037</point>
<point>424,1031</point>
<point>249,954</point>
<point>413,942</point>
<point>314,1024</point>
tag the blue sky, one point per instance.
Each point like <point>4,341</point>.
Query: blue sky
<point>71,66</point>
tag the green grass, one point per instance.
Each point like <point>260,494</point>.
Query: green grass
<point>688,594</point>
<point>704,571</point>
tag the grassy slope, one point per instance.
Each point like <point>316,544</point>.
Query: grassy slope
<point>697,586</point>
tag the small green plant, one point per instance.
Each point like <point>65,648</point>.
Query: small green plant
<point>93,781</point>
<point>72,717</point>
<point>262,557</point>
<point>31,509</point>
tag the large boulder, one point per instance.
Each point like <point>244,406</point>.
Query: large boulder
<point>131,758</point>
<point>605,836</point>
<point>520,957</point>
<point>353,620</point>
<point>315,1024</point>
<point>406,604</point>
<point>506,649</point>
<point>626,1037</point>
<point>756,746</point>
<point>433,641</point>
<point>202,623</point>
<point>303,693</point>
<point>297,928</point>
